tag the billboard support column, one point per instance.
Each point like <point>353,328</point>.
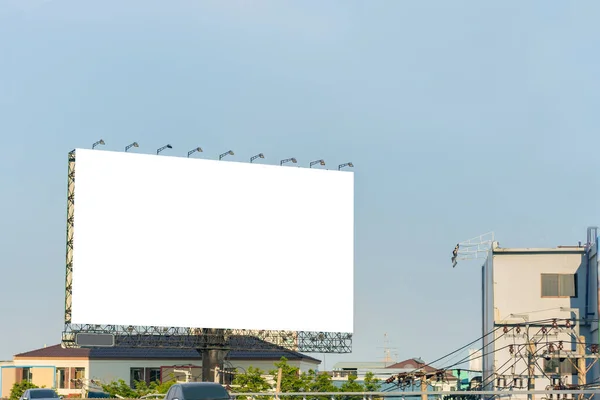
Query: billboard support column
<point>70,223</point>
<point>213,352</point>
<point>210,361</point>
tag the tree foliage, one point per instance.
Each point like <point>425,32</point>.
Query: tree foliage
<point>371,383</point>
<point>19,388</point>
<point>293,380</point>
<point>121,388</point>
<point>254,380</point>
<point>251,381</point>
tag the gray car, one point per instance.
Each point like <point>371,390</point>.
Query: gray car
<point>39,394</point>
<point>197,391</point>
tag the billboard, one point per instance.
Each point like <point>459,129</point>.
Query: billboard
<point>181,242</point>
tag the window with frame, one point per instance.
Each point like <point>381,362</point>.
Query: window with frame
<point>61,378</point>
<point>79,376</point>
<point>135,375</point>
<point>559,285</point>
<point>154,375</point>
<point>27,375</point>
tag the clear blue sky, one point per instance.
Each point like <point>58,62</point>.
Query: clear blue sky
<point>461,117</point>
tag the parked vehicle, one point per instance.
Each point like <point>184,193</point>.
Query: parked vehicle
<point>39,394</point>
<point>197,391</point>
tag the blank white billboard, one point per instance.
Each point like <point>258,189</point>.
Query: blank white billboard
<point>173,241</point>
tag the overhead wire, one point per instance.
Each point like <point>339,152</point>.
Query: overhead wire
<point>500,326</point>
<point>518,351</point>
<point>470,357</point>
<point>454,352</point>
<point>495,339</point>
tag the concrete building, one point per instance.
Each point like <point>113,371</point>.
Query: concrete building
<point>528,294</point>
<point>70,370</point>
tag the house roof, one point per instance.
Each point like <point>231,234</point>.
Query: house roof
<point>271,352</point>
<point>412,363</point>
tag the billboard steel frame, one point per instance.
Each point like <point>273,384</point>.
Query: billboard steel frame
<point>200,339</point>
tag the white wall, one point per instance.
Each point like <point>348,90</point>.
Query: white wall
<point>517,284</point>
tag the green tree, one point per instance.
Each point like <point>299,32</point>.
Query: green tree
<point>371,384</point>
<point>351,385</point>
<point>252,381</point>
<point>120,388</point>
<point>164,387</point>
<point>291,378</point>
<point>19,388</point>
<point>320,382</point>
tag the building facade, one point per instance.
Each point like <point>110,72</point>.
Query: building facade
<point>539,314</point>
<point>72,371</point>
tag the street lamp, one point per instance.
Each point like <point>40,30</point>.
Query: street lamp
<point>97,143</point>
<point>230,152</point>
<point>260,155</point>
<point>134,144</point>
<point>162,148</point>
<point>197,149</point>
<point>288,160</point>
<point>348,164</point>
<point>322,162</point>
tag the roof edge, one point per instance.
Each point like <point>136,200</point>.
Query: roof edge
<point>540,250</point>
<point>87,354</point>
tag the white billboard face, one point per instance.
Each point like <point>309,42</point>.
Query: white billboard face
<point>168,241</point>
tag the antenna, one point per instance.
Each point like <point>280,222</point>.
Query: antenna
<point>386,350</point>
<point>471,249</point>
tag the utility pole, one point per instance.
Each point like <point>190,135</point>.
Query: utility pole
<point>531,364</point>
<point>581,363</point>
<point>424,386</point>
<point>279,376</point>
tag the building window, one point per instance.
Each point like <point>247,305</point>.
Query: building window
<point>79,377</point>
<point>559,285</point>
<point>564,367</point>
<point>27,375</point>
<point>154,374</point>
<point>61,378</point>
<point>135,375</point>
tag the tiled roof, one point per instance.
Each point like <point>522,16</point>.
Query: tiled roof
<point>115,353</point>
<point>414,363</point>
